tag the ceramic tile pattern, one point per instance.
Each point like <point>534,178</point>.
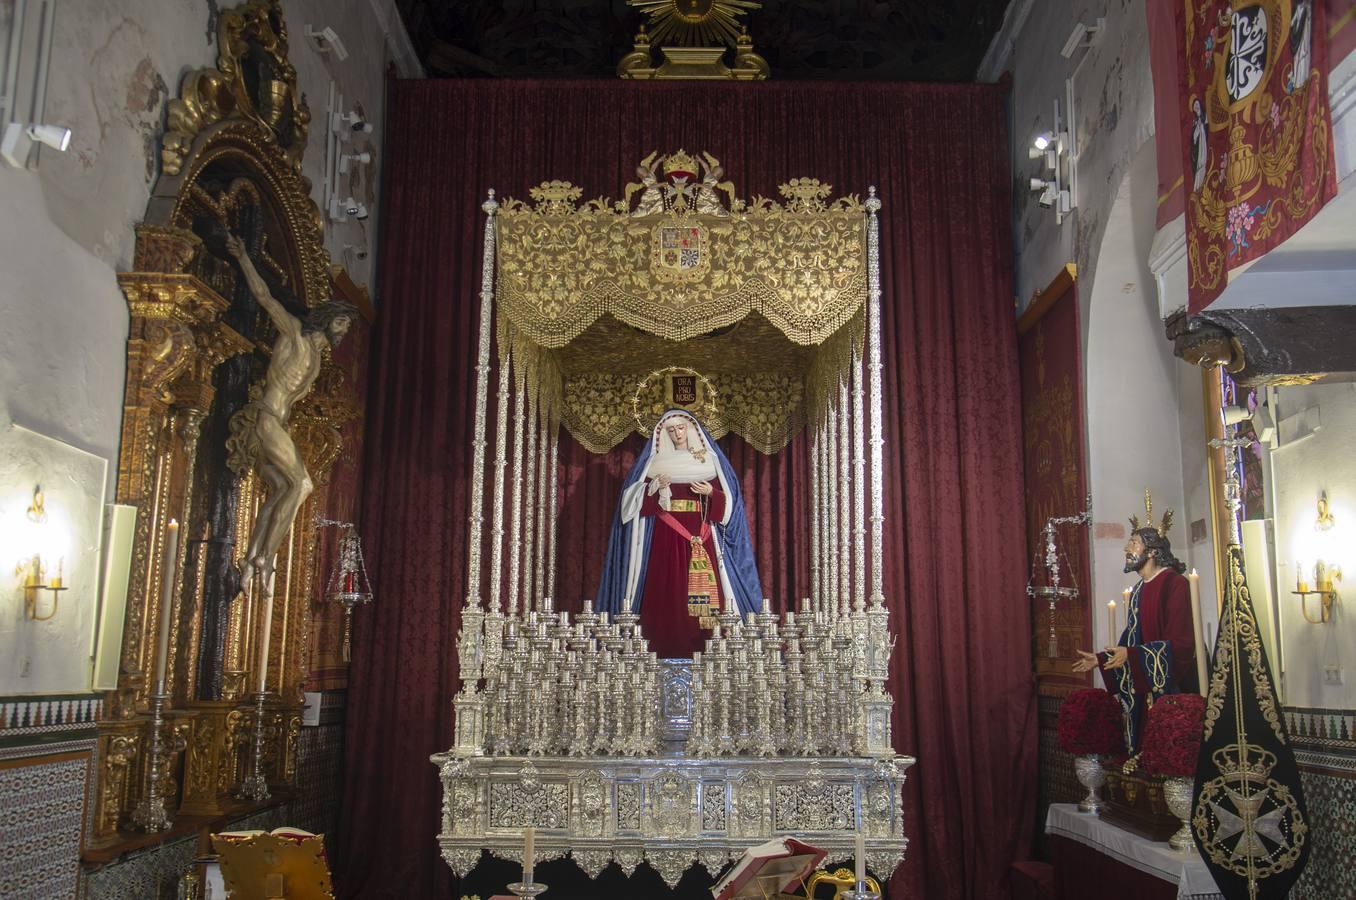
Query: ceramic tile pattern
<point>40,827</point>
<point>1325,747</point>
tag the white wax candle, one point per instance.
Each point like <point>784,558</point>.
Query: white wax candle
<point>1111,622</point>
<point>529,842</point>
<point>170,566</point>
<point>1195,581</point>
<point>265,632</point>
<point>861,857</point>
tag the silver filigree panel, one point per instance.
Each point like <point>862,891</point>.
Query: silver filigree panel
<point>512,807</point>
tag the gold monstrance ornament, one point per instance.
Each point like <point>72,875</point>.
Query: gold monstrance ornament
<point>695,35</point>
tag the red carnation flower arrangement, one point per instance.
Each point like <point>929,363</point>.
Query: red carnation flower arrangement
<point>1172,735</point>
<point>1090,722</point>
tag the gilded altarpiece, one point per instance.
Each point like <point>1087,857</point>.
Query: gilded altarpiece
<point>197,348</point>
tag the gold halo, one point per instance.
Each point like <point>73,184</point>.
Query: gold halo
<point>708,408</point>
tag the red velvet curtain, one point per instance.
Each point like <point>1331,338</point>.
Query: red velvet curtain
<point>955,537</point>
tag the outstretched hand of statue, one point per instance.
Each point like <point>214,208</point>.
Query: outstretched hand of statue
<point>662,480</point>
<point>702,488</point>
<point>1086,662</point>
<point>1115,657</point>
<point>235,245</point>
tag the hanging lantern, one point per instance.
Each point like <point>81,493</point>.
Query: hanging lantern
<point>348,583</point>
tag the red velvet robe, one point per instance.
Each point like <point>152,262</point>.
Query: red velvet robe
<point>664,620</point>
<point>1165,615</point>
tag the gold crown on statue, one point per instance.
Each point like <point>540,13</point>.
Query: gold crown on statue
<point>1162,527</point>
<point>680,163</point>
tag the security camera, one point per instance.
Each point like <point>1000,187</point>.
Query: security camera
<point>1083,36</point>
<point>19,140</point>
<point>355,209</point>
<point>326,40</point>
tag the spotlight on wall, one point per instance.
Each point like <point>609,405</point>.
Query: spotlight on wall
<point>1051,195</point>
<point>349,160</point>
<point>350,123</point>
<point>1042,141</point>
<point>19,140</point>
<point>353,208</point>
<point>326,40</point>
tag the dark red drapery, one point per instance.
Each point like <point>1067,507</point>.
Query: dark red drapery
<point>955,545</point>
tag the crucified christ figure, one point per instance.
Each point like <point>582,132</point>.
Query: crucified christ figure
<point>259,431</point>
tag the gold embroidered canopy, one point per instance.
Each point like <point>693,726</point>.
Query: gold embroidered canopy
<point>764,299</point>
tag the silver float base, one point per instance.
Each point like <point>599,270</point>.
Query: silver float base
<point>671,813</point>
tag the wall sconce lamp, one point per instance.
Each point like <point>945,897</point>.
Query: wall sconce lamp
<point>33,571</point>
<point>1325,573</point>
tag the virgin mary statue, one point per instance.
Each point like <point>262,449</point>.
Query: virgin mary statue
<point>679,550</point>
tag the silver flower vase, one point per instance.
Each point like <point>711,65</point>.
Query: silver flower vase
<point>1177,796</point>
<point>1090,775</point>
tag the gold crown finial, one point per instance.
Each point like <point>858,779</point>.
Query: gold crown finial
<point>1161,527</point>
<point>680,162</point>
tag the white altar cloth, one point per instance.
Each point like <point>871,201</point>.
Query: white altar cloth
<point>1156,858</point>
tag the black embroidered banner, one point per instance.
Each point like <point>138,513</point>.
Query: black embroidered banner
<point>1249,818</point>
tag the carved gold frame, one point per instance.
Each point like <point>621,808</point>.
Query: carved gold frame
<point>176,340</point>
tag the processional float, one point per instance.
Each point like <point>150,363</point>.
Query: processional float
<point>762,318</point>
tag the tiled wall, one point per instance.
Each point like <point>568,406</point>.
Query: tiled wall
<point>1055,772</point>
<point>42,799</point>
<point>1325,747</point>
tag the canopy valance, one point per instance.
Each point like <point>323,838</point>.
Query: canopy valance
<point>764,299</point>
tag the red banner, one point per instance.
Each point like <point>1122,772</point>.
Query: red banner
<point>1257,146</point>
<point>1055,477</point>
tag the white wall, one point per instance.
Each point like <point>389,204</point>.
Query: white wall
<point>1324,461</point>
<point>66,229</point>
<point>1113,116</point>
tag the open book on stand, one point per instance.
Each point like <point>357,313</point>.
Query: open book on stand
<point>769,871</point>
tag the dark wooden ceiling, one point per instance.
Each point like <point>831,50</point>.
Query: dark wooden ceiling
<point>899,40</point>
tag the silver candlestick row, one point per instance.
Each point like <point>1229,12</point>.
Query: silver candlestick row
<point>764,686</point>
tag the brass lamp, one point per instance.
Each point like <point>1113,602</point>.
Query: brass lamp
<point>33,570</point>
<point>1325,573</point>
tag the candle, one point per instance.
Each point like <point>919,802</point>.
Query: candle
<point>861,858</point>
<point>529,841</point>
<point>1111,621</point>
<point>58,581</point>
<point>1195,581</point>
<point>265,633</point>
<point>169,565</point>
<point>1299,577</point>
